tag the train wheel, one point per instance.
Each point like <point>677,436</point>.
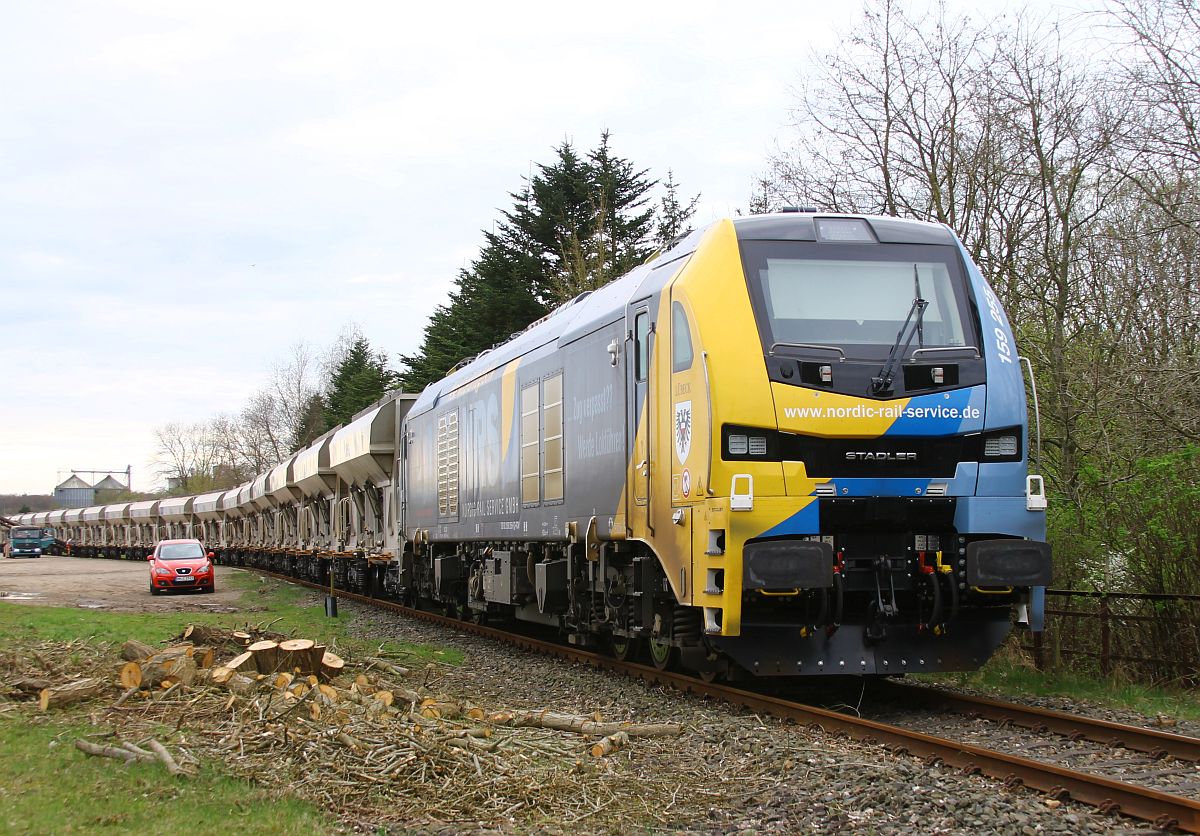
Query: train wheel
<point>624,648</point>
<point>662,654</point>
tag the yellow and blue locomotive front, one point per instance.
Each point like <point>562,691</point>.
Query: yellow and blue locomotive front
<point>845,416</point>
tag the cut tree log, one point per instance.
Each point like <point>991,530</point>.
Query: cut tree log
<point>30,687</point>
<point>331,665</point>
<point>177,666</point>
<point>220,675</point>
<point>204,656</point>
<point>70,692</point>
<point>434,709</point>
<point>134,650</point>
<point>242,637</point>
<point>131,675</point>
<point>208,635</point>
<point>385,665</point>
<point>266,656</point>
<point>583,725</point>
<point>241,662</point>
<point>241,684</point>
<point>295,654</point>
<point>610,744</point>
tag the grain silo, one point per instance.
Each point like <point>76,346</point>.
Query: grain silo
<point>74,493</point>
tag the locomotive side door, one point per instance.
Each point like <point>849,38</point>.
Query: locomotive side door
<point>637,374</point>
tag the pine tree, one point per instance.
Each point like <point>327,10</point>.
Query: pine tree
<point>360,379</point>
<point>580,222</point>
<point>673,217</point>
<point>311,424</point>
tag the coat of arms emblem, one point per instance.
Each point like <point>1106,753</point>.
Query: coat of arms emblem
<point>683,430</point>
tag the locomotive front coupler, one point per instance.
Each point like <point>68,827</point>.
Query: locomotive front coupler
<point>883,568</point>
<point>875,630</point>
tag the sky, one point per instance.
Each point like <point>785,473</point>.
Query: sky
<point>188,189</point>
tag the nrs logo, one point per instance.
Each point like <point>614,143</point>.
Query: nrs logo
<point>866,456</point>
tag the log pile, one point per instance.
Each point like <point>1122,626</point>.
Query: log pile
<point>208,635</point>
<point>296,656</point>
<point>348,731</point>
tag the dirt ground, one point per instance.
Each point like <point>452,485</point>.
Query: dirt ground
<point>116,585</point>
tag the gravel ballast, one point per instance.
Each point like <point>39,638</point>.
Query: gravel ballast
<point>730,770</point>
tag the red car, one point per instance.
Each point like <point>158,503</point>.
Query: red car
<point>181,564</point>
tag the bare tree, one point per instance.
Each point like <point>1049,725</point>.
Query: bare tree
<point>1164,74</point>
<point>186,456</point>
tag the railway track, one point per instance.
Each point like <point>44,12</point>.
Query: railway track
<point>1163,810</point>
<point>1156,744</point>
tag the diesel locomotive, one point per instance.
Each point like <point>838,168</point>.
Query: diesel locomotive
<point>791,445</point>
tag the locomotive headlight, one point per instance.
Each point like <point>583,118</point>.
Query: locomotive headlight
<point>1000,445</point>
<point>758,445</point>
<point>738,445</point>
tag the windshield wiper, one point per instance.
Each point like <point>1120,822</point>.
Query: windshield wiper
<point>882,383</point>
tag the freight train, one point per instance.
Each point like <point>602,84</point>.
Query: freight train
<point>791,445</point>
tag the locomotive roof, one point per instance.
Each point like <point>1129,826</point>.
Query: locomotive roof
<point>586,312</point>
<point>582,315</point>
<point>802,226</point>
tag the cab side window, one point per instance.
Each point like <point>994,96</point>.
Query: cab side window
<point>681,339</point>
<point>641,334</point>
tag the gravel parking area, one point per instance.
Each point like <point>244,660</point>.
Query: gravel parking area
<point>732,771</point>
<point>91,583</point>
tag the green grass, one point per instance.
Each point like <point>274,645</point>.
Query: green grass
<point>46,786</point>
<point>286,608</point>
<point>1005,674</point>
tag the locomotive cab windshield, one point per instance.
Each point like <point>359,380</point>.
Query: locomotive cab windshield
<point>831,313</point>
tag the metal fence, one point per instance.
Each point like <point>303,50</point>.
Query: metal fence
<point>1143,637</point>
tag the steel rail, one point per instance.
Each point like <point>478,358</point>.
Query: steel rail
<point>1153,742</point>
<point>1165,811</point>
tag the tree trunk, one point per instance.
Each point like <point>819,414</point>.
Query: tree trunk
<point>241,684</point>
<point>204,657</point>
<point>60,695</point>
<point>583,725</point>
<point>296,654</point>
<point>134,650</point>
<point>610,744</point>
<point>205,634</point>
<point>241,662</point>
<point>176,666</point>
<point>266,656</point>
<point>131,675</point>
<point>331,665</point>
<point>29,687</point>
<point>241,637</point>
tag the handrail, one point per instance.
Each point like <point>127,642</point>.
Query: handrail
<point>1037,412</point>
<point>708,394</point>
